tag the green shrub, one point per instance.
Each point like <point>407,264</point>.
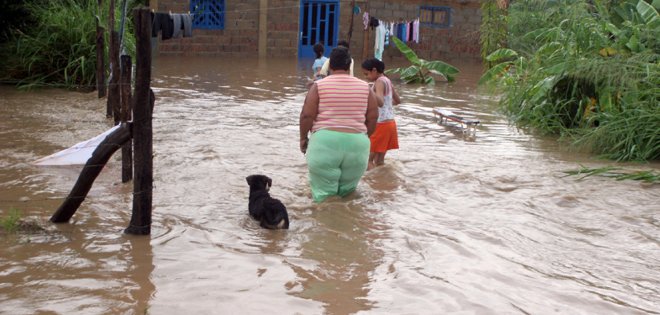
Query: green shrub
<point>582,74</point>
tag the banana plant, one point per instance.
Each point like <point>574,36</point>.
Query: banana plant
<point>633,24</point>
<point>421,70</point>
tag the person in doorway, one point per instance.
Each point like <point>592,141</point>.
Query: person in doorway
<point>319,61</point>
<point>385,137</point>
<point>340,112</point>
<point>326,66</point>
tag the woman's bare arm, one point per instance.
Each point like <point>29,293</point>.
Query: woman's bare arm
<point>307,115</point>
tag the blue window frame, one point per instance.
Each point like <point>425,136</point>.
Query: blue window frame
<point>208,14</point>
<point>438,17</point>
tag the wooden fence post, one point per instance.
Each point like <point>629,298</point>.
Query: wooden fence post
<point>142,129</point>
<point>126,109</point>
<point>113,86</point>
<point>113,57</point>
<point>100,55</point>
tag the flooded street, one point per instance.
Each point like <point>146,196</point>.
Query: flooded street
<point>450,225</point>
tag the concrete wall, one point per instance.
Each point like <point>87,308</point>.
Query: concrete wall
<point>240,38</point>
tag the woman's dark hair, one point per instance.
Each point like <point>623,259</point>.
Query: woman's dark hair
<point>369,64</point>
<point>319,49</point>
<point>340,59</point>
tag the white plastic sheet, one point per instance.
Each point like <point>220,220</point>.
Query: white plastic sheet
<point>77,154</point>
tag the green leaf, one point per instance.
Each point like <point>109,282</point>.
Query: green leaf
<point>540,89</point>
<point>646,11</point>
<point>410,71</point>
<point>494,72</point>
<point>441,68</point>
<point>502,53</point>
<point>548,49</point>
<point>394,71</point>
<point>557,68</point>
<point>633,44</point>
<point>406,51</point>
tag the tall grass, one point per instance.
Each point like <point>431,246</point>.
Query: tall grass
<point>589,73</point>
<point>62,50</point>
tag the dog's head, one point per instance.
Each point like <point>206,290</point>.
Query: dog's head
<point>259,182</point>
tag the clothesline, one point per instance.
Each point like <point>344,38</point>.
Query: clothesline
<point>406,31</point>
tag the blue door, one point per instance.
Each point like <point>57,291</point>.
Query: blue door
<point>318,23</point>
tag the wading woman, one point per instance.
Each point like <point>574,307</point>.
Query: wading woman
<point>340,112</point>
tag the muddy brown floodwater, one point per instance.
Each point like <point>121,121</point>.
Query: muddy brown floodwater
<point>451,224</point>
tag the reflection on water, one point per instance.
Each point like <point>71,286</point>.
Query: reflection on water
<point>451,224</point>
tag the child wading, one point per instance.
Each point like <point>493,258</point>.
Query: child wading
<point>385,136</point>
<point>319,61</point>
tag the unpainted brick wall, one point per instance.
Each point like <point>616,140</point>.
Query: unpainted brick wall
<point>240,37</point>
<point>461,40</point>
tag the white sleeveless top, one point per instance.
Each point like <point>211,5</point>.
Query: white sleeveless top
<point>386,112</point>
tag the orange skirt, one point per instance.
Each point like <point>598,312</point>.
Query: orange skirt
<point>385,137</point>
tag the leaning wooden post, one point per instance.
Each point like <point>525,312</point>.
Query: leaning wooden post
<point>126,108</point>
<point>142,132</point>
<point>100,54</point>
<point>90,171</point>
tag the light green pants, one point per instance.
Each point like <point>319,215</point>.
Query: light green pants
<point>336,162</point>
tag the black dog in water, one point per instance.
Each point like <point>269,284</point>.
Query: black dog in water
<point>270,212</point>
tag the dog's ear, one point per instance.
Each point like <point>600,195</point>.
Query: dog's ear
<point>249,179</point>
<point>270,181</point>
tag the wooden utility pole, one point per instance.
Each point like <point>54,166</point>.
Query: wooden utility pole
<point>142,130</point>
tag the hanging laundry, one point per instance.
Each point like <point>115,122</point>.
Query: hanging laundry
<point>373,22</point>
<point>391,32</point>
<point>379,45</point>
<point>365,20</point>
<point>177,24</point>
<point>187,25</point>
<point>405,32</point>
<point>387,33</point>
<point>171,25</point>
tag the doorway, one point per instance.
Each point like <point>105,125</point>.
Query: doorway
<point>318,23</point>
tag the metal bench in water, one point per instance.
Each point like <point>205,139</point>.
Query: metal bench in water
<point>443,115</point>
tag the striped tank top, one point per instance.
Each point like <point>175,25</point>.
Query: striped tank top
<point>342,103</point>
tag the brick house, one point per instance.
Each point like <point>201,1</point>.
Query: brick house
<point>286,28</point>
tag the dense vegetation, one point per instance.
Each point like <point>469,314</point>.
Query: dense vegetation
<point>588,71</point>
<point>54,42</point>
